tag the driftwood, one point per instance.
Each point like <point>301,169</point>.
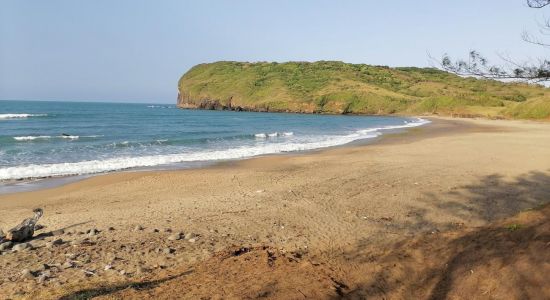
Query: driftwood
<point>25,230</point>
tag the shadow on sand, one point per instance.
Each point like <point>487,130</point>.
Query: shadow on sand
<point>145,285</point>
<point>508,258</point>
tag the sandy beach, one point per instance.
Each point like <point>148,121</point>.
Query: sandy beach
<point>384,220</point>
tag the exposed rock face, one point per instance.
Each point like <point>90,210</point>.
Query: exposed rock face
<point>187,102</point>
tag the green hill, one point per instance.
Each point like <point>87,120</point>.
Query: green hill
<point>336,87</point>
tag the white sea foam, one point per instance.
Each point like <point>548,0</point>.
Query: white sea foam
<point>273,134</point>
<point>46,137</point>
<point>406,124</point>
<point>20,116</point>
<point>120,144</point>
<point>159,106</point>
<point>31,138</point>
<point>120,163</point>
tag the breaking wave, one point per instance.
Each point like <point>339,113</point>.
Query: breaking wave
<point>20,116</point>
<point>160,106</point>
<point>47,137</point>
<point>121,163</point>
<point>274,134</point>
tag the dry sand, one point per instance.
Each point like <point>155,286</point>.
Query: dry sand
<point>394,219</point>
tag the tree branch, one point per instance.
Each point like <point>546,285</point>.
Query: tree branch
<point>538,3</point>
<point>478,66</point>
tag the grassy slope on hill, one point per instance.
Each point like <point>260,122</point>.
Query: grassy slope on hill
<point>336,87</point>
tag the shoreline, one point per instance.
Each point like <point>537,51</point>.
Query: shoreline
<point>403,135</point>
<point>8,187</point>
<point>335,212</point>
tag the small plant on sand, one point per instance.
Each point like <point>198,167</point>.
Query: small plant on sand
<point>513,227</point>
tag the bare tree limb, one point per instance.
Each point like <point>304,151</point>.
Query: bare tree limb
<point>538,3</point>
<point>478,66</point>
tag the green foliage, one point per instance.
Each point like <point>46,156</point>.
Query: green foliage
<point>516,97</point>
<point>532,109</point>
<point>337,87</point>
<point>513,227</point>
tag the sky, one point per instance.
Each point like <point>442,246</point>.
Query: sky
<point>136,51</point>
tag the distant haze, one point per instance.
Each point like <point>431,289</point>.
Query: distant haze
<point>135,51</point>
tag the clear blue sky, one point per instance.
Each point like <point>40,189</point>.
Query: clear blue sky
<point>136,51</point>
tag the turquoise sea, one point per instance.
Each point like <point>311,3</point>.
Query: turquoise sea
<point>43,139</point>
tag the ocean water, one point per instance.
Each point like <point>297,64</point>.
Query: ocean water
<point>43,139</point>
